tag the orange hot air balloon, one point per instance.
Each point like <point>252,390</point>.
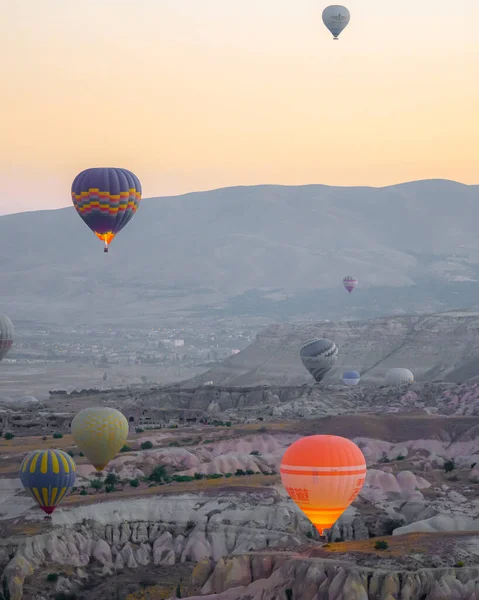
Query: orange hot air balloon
<point>323,474</point>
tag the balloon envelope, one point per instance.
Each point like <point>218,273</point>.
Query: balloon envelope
<point>350,283</point>
<point>351,377</point>
<point>100,433</point>
<point>6,335</point>
<point>323,474</point>
<point>398,376</point>
<point>106,199</point>
<point>47,476</point>
<point>318,356</point>
<point>336,18</point>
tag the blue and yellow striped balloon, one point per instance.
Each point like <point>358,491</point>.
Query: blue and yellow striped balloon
<point>47,475</point>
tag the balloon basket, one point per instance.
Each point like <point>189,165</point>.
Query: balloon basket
<point>47,518</point>
<point>105,249</point>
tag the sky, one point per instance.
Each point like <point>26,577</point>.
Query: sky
<point>201,94</point>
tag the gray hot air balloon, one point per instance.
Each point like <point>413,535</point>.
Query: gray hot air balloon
<point>336,18</point>
<point>398,376</point>
<point>6,335</point>
<point>318,356</point>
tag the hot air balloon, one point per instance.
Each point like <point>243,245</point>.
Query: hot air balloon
<point>398,376</point>
<point>6,335</point>
<point>350,283</point>
<point>323,474</point>
<point>318,356</point>
<point>47,476</point>
<point>100,433</point>
<point>351,377</point>
<point>106,199</point>
<point>336,18</point>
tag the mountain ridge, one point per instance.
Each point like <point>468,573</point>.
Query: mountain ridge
<point>256,245</point>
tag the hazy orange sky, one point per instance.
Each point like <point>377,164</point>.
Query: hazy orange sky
<point>201,94</point>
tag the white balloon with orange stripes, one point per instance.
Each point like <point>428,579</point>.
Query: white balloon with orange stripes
<point>323,474</point>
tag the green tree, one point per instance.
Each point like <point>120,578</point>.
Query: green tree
<point>112,479</point>
<point>158,474</point>
<point>381,545</point>
<point>449,466</point>
<point>146,445</point>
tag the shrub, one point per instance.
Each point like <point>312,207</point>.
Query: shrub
<point>255,453</point>
<point>83,493</point>
<point>249,472</point>
<point>400,457</point>
<point>214,476</point>
<point>71,453</point>
<point>44,438</point>
<point>139,430</point>
<point>52,577</point>
<point>146,445</point>
<point>239,472</point>
<point>199,476</point>
<point>9,435</point>
<point>460,563</point>
<point>181,478</point>
<point>262,430</point>
<point>449,466</point>
<point>228,474</point>
<point>112,479</point>
<point>228,423</point>
<point>97,484</point>
<point>473,465</point>
<point>381,545</point>
<point>81,454</point>
<point>134,482</point>
<point>57,436</point>
<point>174,444</point>
<point>125,448</point>
<point>109,488</point>
<point>158,474</point>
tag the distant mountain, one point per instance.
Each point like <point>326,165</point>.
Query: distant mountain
<point>264,250</point>
<point>435,347</point>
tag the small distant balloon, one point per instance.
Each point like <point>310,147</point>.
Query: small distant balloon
<point>351,377</point>
<point>399,376</point>
<point>47,476</point>
<point>6,335</point>
<point>323,474</point>
<point>319,356</point>
<point>106,199</point>
<point>336,18</point>
<point>100,433</point>
<point>350,283</point>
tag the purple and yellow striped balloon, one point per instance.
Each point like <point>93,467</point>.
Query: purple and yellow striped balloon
<point>106,199</point>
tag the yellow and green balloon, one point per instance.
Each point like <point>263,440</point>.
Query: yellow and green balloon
<point>100,433</point>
